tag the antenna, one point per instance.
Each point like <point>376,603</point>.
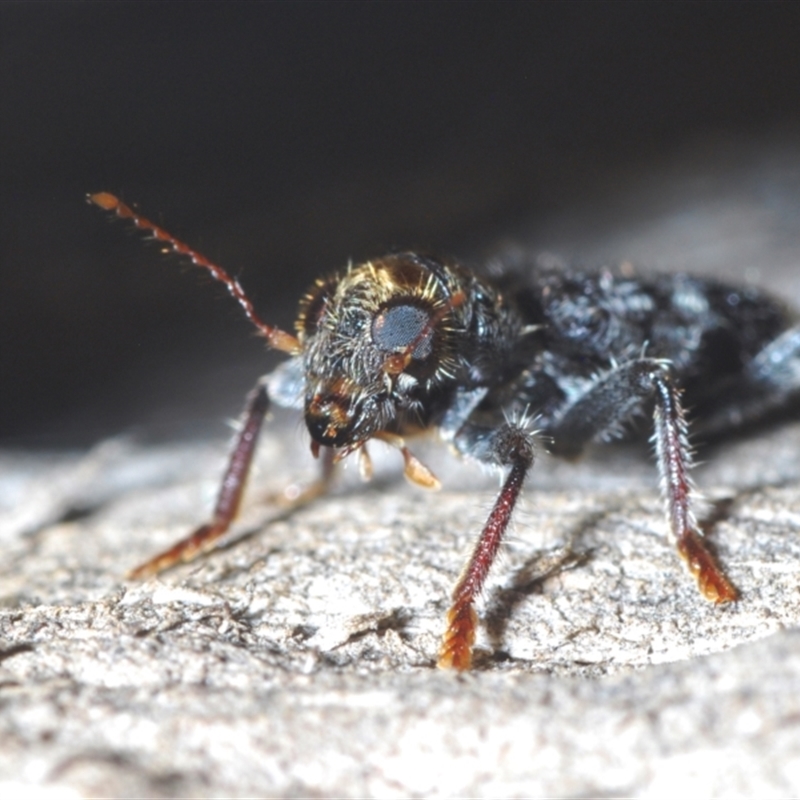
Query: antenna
<point>277,339</point>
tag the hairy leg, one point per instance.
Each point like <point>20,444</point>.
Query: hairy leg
<point>608,404</point>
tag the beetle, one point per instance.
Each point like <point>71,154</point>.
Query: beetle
<point>498,361</point>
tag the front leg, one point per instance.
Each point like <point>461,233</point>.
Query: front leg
<point>511,446</point>
<point>598,414</point>
<point>232,488</point>
<point>230,492</point>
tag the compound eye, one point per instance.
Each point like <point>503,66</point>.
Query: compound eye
<point>398,327</point>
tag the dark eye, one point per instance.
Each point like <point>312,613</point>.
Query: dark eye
<point>397,327</point>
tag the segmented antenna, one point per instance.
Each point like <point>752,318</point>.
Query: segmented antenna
<point>277,339</point>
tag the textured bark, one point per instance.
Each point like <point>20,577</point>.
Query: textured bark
<point>299,659</point>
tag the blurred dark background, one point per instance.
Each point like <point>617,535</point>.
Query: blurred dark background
<point>281,139</point>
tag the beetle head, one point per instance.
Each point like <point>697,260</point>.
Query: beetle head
<point>375,340</point>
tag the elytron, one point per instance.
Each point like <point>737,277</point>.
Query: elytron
<point>410,342</point>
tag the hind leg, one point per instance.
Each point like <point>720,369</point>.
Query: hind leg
<point>600,412</point>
